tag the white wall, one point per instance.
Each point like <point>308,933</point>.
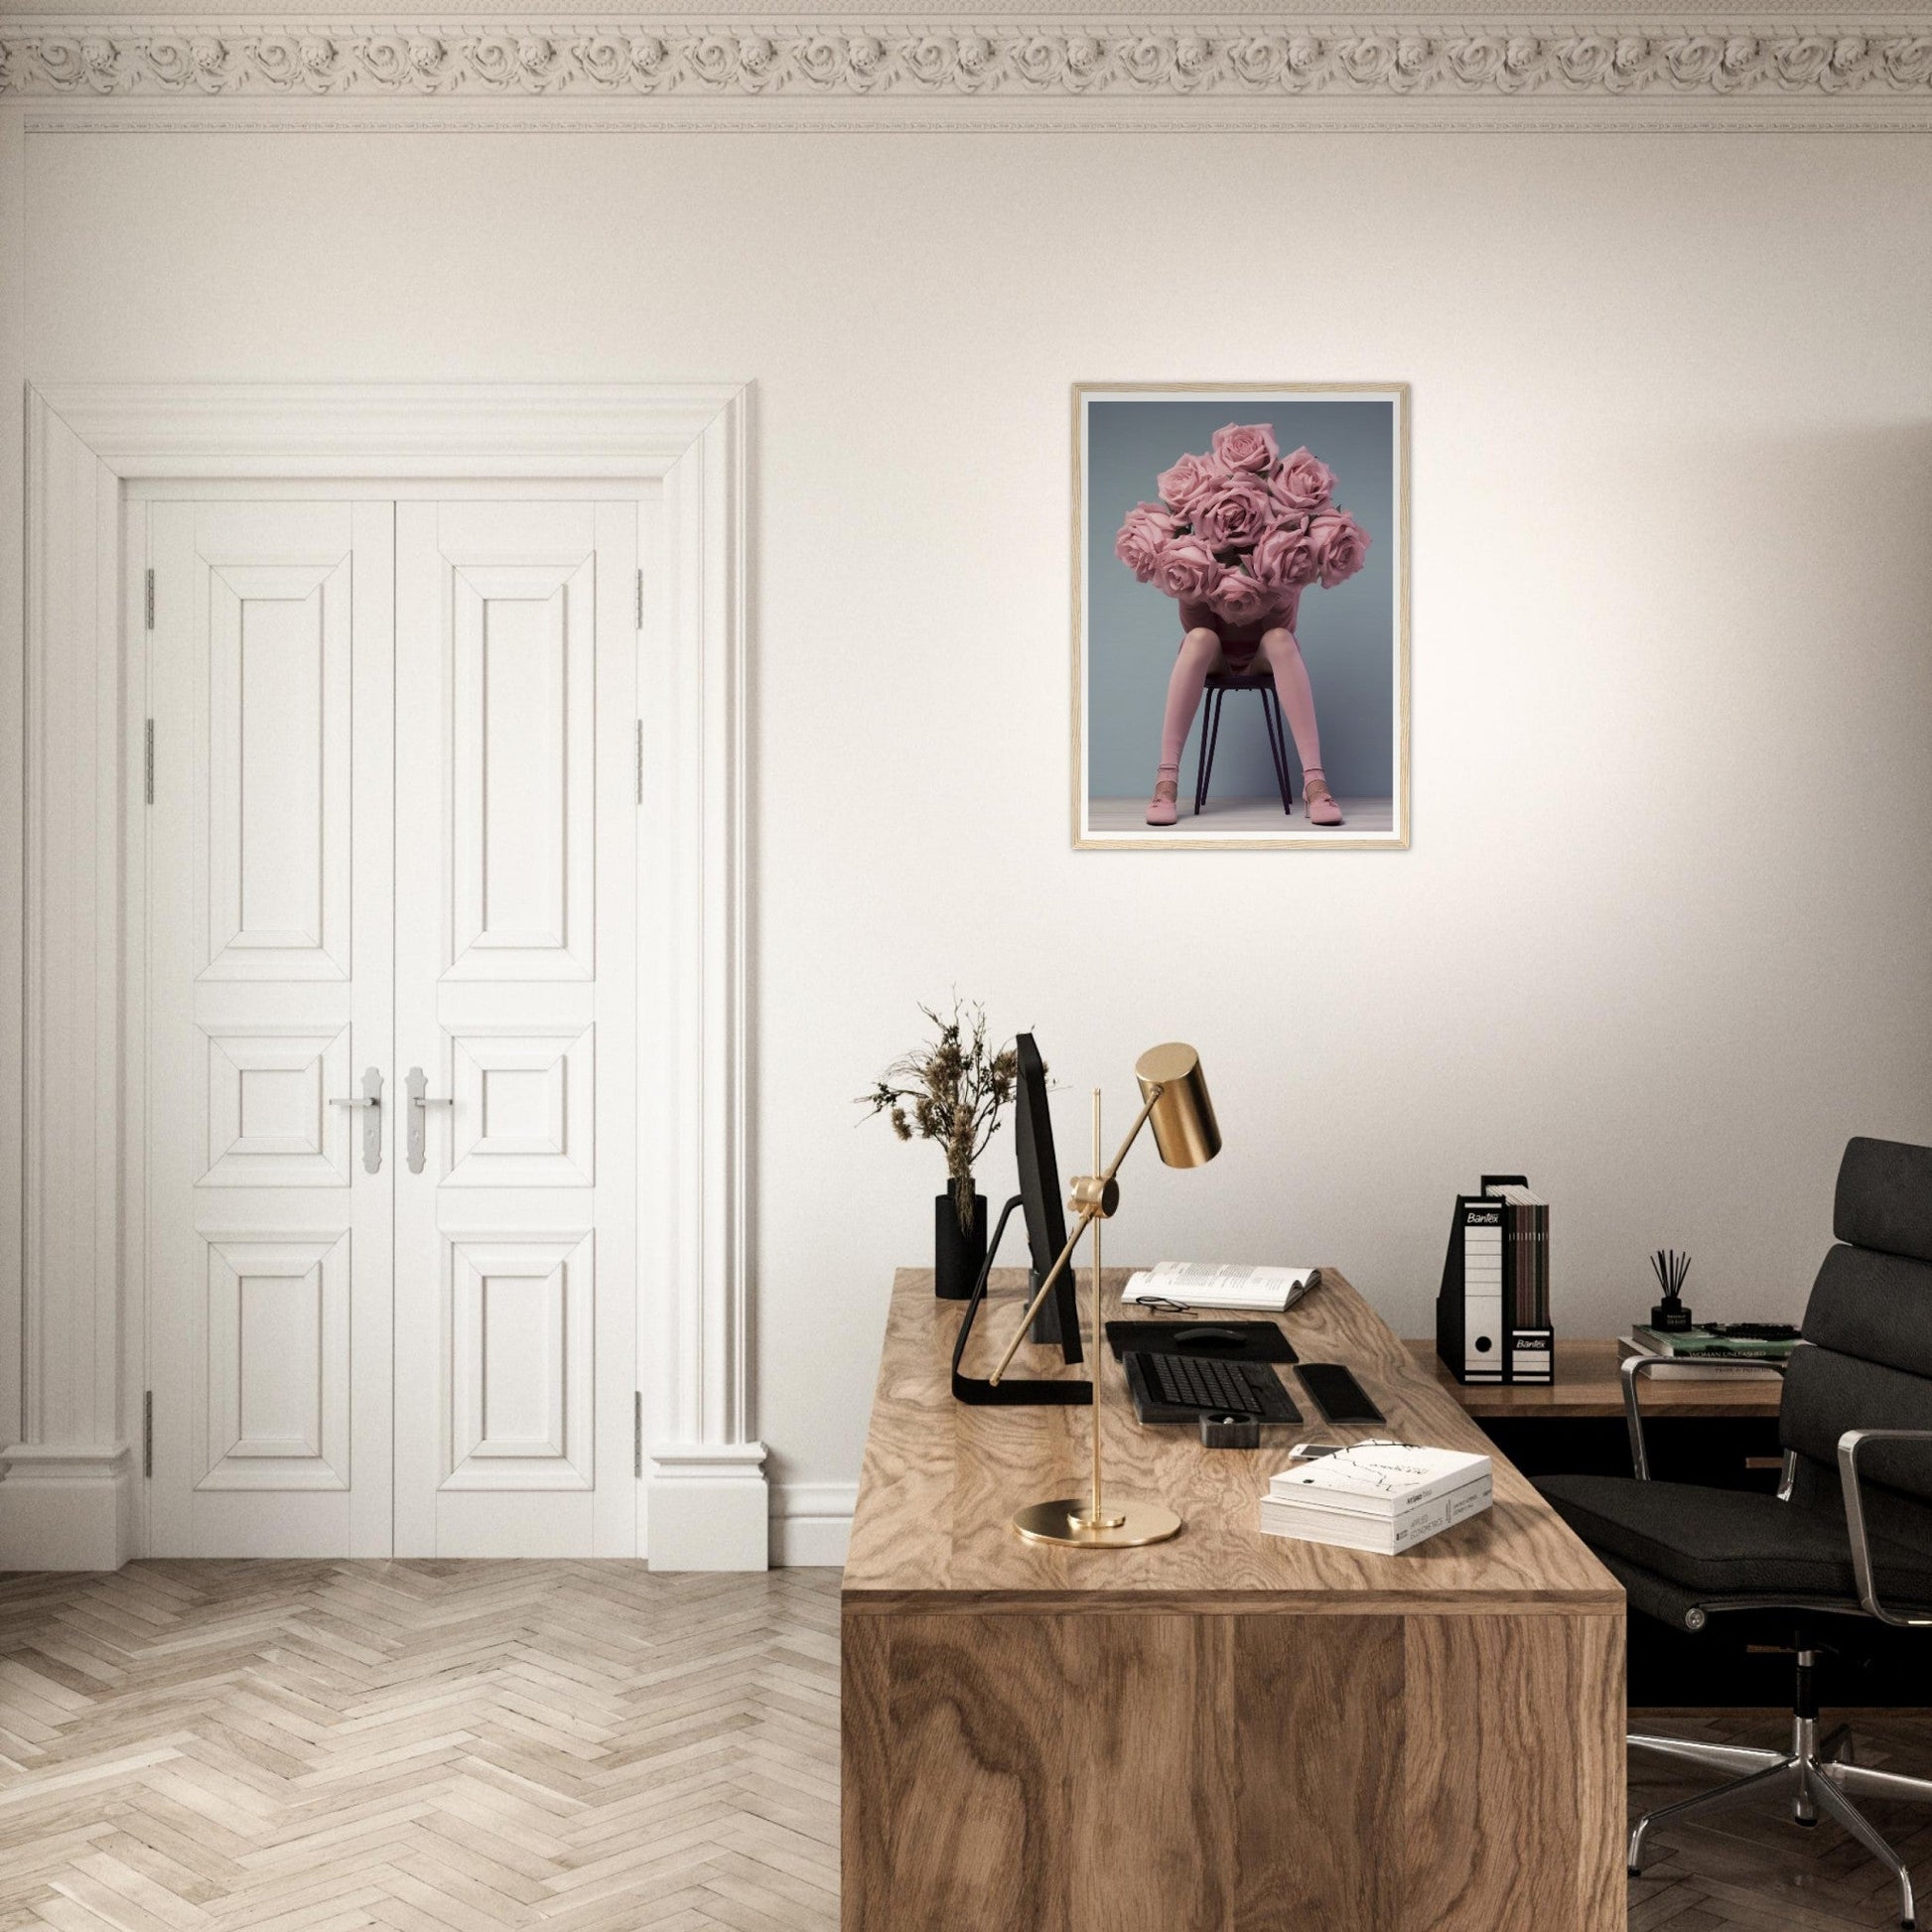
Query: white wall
<point>1664,938</point>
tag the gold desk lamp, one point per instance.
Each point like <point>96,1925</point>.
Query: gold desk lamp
<point>1174,1101</point>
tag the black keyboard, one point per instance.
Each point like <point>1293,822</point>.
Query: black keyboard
<point>1179,1388</point>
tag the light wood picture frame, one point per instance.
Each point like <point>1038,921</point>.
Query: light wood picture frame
<point>1349,628</point>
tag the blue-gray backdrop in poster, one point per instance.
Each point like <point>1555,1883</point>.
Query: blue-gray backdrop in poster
<point>1346,634</point>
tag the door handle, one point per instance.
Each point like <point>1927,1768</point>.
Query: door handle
<point>420,1102</point>
<point>371,1099</point>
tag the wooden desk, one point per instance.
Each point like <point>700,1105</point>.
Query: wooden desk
<point>1588,1386</point>
<point>1228,1732</point>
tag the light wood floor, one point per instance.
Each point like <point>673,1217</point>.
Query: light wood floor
<point>428,1746</point>
<point>458,1748</point>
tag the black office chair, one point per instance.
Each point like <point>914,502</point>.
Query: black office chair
<point>1847,1539</point>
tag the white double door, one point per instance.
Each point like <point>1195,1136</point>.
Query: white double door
<point>391,860</point>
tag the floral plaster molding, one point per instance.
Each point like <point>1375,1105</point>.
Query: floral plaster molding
<point>1886,68</point>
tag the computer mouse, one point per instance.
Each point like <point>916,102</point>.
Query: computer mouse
<point>1208,1336</point>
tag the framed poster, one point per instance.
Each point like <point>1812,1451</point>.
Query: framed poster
<point>1241,616</point>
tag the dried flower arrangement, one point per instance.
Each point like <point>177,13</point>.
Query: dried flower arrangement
<point>952,1091</point>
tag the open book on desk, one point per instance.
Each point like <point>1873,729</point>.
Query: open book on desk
<point>1215,1284</point>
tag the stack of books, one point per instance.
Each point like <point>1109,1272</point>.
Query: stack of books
<point>1385,1497</point>
<point>1685,1353</point>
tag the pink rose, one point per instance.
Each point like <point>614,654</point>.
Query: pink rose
<point>1239,600</point>
<point>1341,546</point>
<point>1303,484</point>
<point>1191,477</point>
<point>1247,446</point>
<point>1142,537</point>
<point>1233,516</point>
<point>1187,571</point>
<point>1285,559</point>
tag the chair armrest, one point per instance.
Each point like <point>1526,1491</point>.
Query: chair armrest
<point>1849,1446</point>
<point>1634,1367</point>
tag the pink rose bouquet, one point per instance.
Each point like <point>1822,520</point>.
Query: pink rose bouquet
<point>1243,529</point>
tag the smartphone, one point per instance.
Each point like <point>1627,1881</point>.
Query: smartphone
<point>1338,1394</point>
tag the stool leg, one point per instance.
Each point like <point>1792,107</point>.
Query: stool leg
<point>1210,731</point>
<point>1271,717</point>
<point>1201,749</point>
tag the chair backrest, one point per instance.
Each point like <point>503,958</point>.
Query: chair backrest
<point>1868,1324</point>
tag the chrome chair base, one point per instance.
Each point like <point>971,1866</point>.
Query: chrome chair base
<point>1818,1774</point>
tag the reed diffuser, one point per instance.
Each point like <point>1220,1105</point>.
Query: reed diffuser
<point>1670,1315</point>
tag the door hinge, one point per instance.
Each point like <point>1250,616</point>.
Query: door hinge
<point>641,599</point>
<point>637,1434</point>
<point>148,758</point>
<point>150,600</point>
<point>147,1433</point>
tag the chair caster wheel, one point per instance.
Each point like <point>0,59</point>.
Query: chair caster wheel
<point>1633,1872</point>
<point>1809,1823</point>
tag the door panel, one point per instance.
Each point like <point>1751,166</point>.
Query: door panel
<point>270,989</point>
<point>516,983</point>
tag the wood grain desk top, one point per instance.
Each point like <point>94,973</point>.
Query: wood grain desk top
<point>941,1479</point>
<point>1588,1385</point>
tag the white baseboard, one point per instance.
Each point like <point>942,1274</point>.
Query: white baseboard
<point>811,1523</point>
<point>67,1508</point>
<point>709,1507</point>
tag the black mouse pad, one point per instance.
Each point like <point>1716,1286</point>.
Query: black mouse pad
<point>1209,1340</point>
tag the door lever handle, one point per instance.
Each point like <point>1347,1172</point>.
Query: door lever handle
<point>420,1102</point>
<point>371,1099</point>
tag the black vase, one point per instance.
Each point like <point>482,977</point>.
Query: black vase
<point>957,1257</point>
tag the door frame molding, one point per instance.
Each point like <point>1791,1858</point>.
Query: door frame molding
<point>69,1498</point>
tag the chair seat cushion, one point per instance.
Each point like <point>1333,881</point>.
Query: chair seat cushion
<point>1729,1542</point>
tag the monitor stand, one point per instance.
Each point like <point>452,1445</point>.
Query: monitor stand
<point>1012,1391</point>
<point>1046,1323</point>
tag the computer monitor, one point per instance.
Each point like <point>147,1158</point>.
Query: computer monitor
<point>1040,1197</point>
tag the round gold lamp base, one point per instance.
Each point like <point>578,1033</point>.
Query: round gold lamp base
<point>1126,1525</point>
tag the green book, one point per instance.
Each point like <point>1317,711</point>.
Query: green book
<point>1701,1341</point>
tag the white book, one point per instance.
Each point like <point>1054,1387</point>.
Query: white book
<point>1215,1284</point>
<point>1389,1536</point>
<point>1378,1478</point>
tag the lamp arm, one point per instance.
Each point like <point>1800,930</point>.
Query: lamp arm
<point>1089,1216</point>
<point>1133,1133</point>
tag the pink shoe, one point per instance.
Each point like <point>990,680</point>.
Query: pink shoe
<point>1162,808</point>
<point>1318,800</point>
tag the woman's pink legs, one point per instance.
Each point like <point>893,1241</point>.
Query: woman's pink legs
<point>1292,687</point>
<point>1198,652</point>
<point>1199,649</point>
<point>1284,657</point>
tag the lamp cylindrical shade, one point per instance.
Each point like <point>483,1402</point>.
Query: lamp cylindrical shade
<point>1184,1128</point>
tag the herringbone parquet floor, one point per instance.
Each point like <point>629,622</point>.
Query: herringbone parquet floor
<point>424,1746</point>
<point>579,1748</point>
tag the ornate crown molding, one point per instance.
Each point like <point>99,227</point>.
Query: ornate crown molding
<point>1194,61</point>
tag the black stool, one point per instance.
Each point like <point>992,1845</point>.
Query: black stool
<point>1219,684</point>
